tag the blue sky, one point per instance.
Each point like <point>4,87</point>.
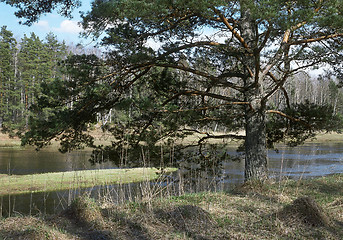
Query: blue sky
<point>63,28</point>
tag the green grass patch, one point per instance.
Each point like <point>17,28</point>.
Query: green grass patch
<point>45,182</point>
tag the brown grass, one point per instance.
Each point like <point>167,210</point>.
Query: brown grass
<point>252,211</point>
<point>6,141</point>
<point>327,137</point>
<point>305,210</point>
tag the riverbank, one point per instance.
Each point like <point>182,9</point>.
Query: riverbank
<point>6,141</point>
<point>46,182</point>
<point>274,210</point>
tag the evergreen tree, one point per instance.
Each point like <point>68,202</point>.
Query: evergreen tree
<point>55,52</point>
<point>32,71</point>
<point>216,62</point>
<point>24,67</point>
<point>9,89</point>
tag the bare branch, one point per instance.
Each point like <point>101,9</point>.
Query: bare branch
<point>233,136</point>
<point>279,84</point>
<point>266,37</point>
<point>210,136</point>
<point>205,74</point>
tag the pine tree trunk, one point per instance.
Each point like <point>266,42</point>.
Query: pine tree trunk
<point>255,143</point>
<point>255,146</point>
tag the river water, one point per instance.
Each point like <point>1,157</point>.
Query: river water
<point>310,160</point>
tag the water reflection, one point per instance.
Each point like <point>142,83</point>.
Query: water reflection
<point>54,202</point>
<point>29,161</point>
<point>310,160</point>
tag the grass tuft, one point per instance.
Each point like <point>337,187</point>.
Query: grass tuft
<point>305,210</point>
<point>87,212</point>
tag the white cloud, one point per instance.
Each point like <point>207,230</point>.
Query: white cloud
<point>68,26</point>
<point>42,24</point>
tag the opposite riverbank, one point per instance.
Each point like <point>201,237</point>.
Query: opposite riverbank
<point>306,209</point>
<point>6,141</point>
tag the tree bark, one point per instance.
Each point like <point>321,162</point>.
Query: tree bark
<point>255,146</point>
<point>255,125</point>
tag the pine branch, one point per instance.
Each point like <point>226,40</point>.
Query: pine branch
<point>289,117</point>
<point>316,39</point>
<point>228,25</point>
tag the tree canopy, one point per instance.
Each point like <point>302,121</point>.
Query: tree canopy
<point>174,68</point>
<point>32,10</point>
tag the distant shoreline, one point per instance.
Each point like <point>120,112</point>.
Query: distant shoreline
<point>6,141</point>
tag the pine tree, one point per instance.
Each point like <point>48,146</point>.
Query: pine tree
<point>9,89</point>
<point>216,61</point>
<point>38,64</point>
<point>55,53</point>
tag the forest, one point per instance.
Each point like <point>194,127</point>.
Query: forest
<point>28,63</point>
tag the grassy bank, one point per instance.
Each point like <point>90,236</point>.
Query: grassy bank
<point>18,184</point>
<point>251,211</point>
<point>6,141</point>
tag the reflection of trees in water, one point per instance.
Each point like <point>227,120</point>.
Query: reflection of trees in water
<point>200,168</point>
<point>199,174</point>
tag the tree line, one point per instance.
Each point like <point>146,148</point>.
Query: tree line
<point>29,63</point>
<point>25,65</point>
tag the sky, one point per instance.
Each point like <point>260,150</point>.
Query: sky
<point>63,28</point>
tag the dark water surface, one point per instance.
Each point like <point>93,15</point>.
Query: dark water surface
<point>310,160</point>
<point>29,161</point>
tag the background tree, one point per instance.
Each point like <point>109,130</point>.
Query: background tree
<point>25,65</point>
<point>9,91</point>
<point>213,62</point>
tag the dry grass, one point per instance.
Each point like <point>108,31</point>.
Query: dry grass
<point>6,141</point>
<point>327,137</point>
<point>251,211</point>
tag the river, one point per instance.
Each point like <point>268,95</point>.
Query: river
<point>310,160</point>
